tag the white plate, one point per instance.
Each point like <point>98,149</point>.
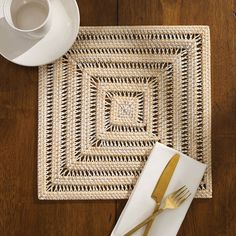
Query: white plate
<point>34,52</point>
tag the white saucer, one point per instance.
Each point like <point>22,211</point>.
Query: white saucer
<point>34,52</point>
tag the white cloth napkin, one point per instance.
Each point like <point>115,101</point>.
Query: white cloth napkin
<point>140,205</point>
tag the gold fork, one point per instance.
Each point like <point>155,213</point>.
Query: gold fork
<point>172,201</point>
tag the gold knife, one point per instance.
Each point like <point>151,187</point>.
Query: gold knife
<point>161,186</point>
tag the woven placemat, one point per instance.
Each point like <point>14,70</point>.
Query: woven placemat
<point>117,91</point>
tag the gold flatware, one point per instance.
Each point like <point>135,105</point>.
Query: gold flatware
<point>161,186</point>
<point>172,201</point>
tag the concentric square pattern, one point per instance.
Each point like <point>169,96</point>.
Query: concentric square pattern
<point>105,103</point>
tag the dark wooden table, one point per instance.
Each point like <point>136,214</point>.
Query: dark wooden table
<point>21,213</point>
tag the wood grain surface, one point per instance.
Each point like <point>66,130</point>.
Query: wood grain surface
<point>21,213</point>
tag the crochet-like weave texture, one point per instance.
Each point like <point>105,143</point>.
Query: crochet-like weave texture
<point>117,91</point>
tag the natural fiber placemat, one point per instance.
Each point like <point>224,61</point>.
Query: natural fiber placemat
<point>104,104</point>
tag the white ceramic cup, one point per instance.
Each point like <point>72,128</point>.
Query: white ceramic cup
<point>29,17</point>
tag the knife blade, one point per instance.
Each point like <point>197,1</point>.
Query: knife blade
<point>165,178</point>
<point>162,184</point>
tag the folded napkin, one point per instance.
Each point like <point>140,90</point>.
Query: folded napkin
<point>140,205</point>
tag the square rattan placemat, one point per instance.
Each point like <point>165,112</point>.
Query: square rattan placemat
<point>117,91</point>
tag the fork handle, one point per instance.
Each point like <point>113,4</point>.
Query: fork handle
<point>149,225</point>
<point>147,220</point>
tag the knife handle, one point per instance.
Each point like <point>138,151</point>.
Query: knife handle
<point>149,225</point>
<point>147,220</point>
